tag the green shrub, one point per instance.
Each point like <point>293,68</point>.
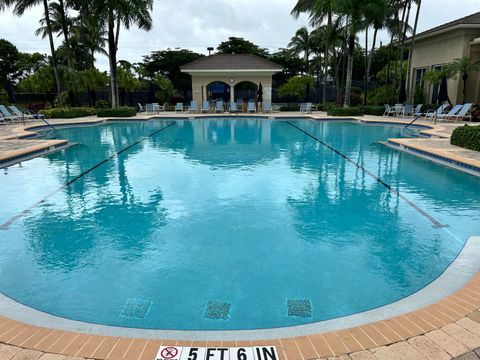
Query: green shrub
<point>373,110</point>
<point>418,96</point>
<point>338,111</point>
<point>102,104</point>
<point>381,95</point>
<point>118,112</point>
<point>467,137</point>
<point>67,113</point>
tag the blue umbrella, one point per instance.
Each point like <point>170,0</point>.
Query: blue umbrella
<point>260,93</point>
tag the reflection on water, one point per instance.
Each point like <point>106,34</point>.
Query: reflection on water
<point>252,212</point>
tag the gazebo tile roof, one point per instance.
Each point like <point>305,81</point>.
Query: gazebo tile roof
<point>231,62</point>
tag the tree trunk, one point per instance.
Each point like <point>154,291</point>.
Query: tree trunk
<point>402,47</point>
<point>389,60</point>
<point>112,56</point>
<point>465,78</point>
<point>348,82</point>
<point>370,59</point>
<point>325,67</point>
<point>410,89</point>
<point>52,46</point>
<point>65,31</point>
<point>365,82</point>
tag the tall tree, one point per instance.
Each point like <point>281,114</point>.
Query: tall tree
<point>117,14</point>
<point>20,7</point>
<point>301,44</point>
<point>237,45</point>
<point>410,89</point>
<point>464,66</point>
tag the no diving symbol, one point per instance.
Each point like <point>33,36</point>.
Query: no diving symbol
<point>169,352</point>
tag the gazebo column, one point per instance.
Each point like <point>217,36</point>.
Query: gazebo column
<point>232,93</point>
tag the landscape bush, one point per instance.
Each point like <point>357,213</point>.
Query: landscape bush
<point>373,110</point>
<point>467,137</point>
<point>67,113</point>
<point>124,111</point>
<point>339,111</point>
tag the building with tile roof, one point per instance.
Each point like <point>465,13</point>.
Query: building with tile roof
<point>231,77</point>
<point>439,46</point>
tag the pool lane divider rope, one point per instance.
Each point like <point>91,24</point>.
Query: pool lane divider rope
<point>7,224</point>
<point>435,223</point>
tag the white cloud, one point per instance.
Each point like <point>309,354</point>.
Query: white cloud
<point>198,24</point>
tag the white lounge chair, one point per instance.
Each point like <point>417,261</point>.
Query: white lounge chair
<point>251,107</point>
<point>7,116</point>
<point>179,107</point>
<point>27,114</point>
<point>219,107</point>
<point>388,110</point>
<point>193,108</point>
<point>141,108</point>
<point>233,107</point>
<point>399,109</point>
<point>464,113</point>
<point>407,111</point>
<point>268,107</point>
<point>433,114</point>
<point>205,107</point>
<point>240,104</point>
<point>452,113</point>
<point>418,111</point>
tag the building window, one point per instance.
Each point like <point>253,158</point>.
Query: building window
<point>436,87</point>
<point>419,73</point>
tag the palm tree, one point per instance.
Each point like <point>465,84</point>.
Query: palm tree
<point>55,21</point>
<point>118,13</point>
<point>464,66</point>
<point>301,43</point>
<point>410,54</point>
<point>20,7</point>
<point>435,77</point>
<point>319,10</point>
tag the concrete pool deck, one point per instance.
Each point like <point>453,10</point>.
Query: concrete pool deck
<point>443,330</point>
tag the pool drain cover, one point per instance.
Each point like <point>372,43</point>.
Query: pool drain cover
<point>136,308</point>
<point>299,308</point>
<point>217,310</point>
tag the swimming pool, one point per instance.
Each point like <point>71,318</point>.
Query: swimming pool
<point>228,224</point>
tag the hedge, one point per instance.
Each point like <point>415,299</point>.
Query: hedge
<point>339,111</point>
<point>373,110</point>
<point>467,137</point>
<point>118,112</point>
<point>67,113</point>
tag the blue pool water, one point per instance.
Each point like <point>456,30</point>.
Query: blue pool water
<point>244,215</point>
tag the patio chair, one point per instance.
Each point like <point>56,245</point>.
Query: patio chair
<point>418,111</point>
<point>276,108</point>
<point>193,107</point>
<point>240,104</point>
<point>433,114</point>
<point>219,107</point>
<point>388,110</point>
<point>251,107</point>
<point>205,107</point>
<point>179,107</point>
<point>26,114</point>
<point>141,108</point>
<point>452,113</point>
<point>7,116</point>
<point>464,113</point>
<point>399,108</point>
<point>268,107</point>
<point>233,107</point>
<point>407,110</point>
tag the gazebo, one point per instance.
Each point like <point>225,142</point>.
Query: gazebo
<point>230,77</point>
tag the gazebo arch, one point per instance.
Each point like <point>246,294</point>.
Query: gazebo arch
<point>245,90</point>
<point>218,90</point>
<point>231,69</point>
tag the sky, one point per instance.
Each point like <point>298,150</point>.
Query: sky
<point>198,24</point>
